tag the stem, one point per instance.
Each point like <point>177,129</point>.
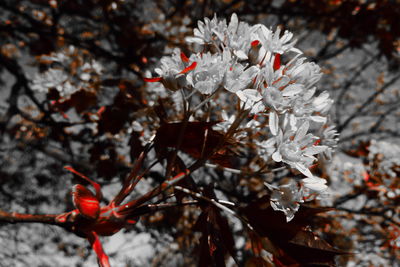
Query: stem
<point>13,217</point>
<point>217,204</point>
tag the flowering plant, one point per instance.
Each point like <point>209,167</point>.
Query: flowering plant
<point>261,92</point>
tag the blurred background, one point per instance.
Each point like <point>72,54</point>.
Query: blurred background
<point>106,47</point>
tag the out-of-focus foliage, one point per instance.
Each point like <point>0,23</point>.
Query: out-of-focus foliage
<point>72,93</point>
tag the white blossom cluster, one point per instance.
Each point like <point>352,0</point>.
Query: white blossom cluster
<point>273,82</point>
<point>69,74</point>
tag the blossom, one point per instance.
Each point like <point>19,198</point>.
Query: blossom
<point>207,31</point>
<point>298,151</point>
<point>172,73</point>
<point>286,198</point>
<point>266,148</point>
<point>208,76</point>
<point>239,78</point>
<point>329,138</point>
<point>306,73</point>
<point>272,41</point>
<point>236,36</point>
<point>251,99</point>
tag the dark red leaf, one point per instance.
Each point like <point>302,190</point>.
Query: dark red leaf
<point>258,262</point>
<point>198,140</point>
<point>297,244</point>
<point>217,239</point>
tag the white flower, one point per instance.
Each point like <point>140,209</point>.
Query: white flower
<point>173,70</point>
<point>286,198</point>
<point>273,98</point>
<point>208,31</point>
<point>238,37</point>
<point>328,138</point>
<point>208,76</point>
<point>272,41</point>
<point>266,148</point>
<point>322,103</point>
<point>306,73</point>
<point>298,151</point>
<point>235,36</point>
<point>237,78</point>
<point>251,99</point>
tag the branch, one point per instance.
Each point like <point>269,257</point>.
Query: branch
<point>13,217</point>
<point>367,102</point>
<point>366,212</point>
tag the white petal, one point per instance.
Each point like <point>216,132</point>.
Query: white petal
<point>318,119</point>
<point>194,40</point>
<point>250,73</point>
<point>303,169</point>
<point>273,123</point>
<point>314,180</point>
<point>302,131</point>
<point>240,54</point>
<point>315,183</point>
<point>292,90</point>
<point>314,150</point>
<point>296,50</point>
<point>321,98</point>
<point>233,24</point>
<point>316,187</point>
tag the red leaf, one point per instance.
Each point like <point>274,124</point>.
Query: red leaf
<point>97,247</point>
<point>198,140</point>
<point>86,202</point>
<point>297,244</point>
<point>217,239</point>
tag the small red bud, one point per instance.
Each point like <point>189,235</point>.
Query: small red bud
<point>189,68</point>
<point>184,58</point>
<point>255,43</point>
<point>277,62</point>
<point>152,80</point>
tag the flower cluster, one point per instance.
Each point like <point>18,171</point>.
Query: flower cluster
<point>69,73</point>
<point>271,81</point>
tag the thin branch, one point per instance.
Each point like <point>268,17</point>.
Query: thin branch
<point>366,103</point>
<point>13,217</point>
